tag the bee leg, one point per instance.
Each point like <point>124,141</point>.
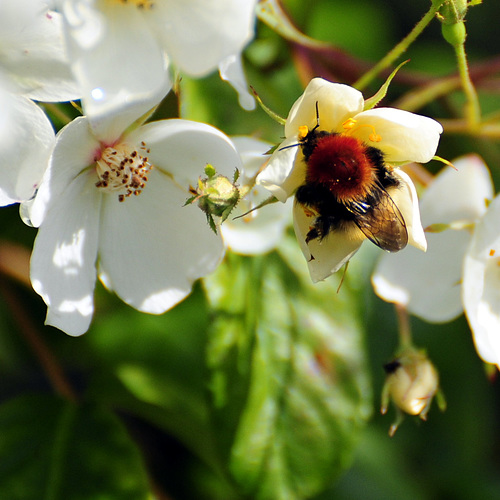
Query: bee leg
<point>321,227</point>
<point>313,234</point>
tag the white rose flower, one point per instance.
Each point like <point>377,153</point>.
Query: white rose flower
<point>481,285</point>
<point>33,65</point>
<point>114,207</point>
<point>121,51</point>
<point>354,167</point>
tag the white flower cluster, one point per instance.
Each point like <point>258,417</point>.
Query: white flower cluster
<point>461,269</point>
<point>108,193</point>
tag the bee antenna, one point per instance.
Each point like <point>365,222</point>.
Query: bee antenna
<point>289,146</point>
<point>315,127</point>
<point>317,116</point>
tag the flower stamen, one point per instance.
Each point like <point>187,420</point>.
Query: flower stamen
<point>123,171</point>
<point>140,4</point>
<point>350,126</point>
<point>496,259</point>
<point>303,131</point>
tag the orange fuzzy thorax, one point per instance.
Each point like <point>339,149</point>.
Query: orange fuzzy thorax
<point>341,164</point>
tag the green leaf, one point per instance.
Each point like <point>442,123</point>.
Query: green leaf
<point>160,362</point>
<point>271,13</point>
<point>51,450</point>
<point>288,377</point>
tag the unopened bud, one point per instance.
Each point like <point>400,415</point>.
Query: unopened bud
<point>452,14</point>
<point>455,33</point>
<point>216,195</point>
<point>411,384</point>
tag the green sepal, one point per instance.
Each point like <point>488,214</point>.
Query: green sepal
<point>381,93</point>
<point>268,111</point>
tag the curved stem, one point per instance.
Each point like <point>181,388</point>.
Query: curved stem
<point>418,98</point>
<point>489,130</point>
<point>400,48</point>
<point>46,358</point>
<point>404,330</point>
<point>472,109</point>
<point>57,111</point>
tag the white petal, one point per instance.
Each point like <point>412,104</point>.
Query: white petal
<point>7,111</point>
<point>63,260</point>
<point>406,199</point>
<point>117,62</point>
<point>26,142</point>
<point>405,136</point>
<point>257,234</point>
<point>231,70</point>
<point>253,153</point>
<point>76,149</point>
<point>198,35</point>
<point>336,103</point>
<point>260,230</point>
<point>183,148</point>
<point>285,171</point>
<point>458,195</point>
<point>152,247</point>
<point>33,51</point>
<point>428,284</point>
<point>481,285</point>
<point>327,256</point>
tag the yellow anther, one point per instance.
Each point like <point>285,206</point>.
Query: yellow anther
<point>349,124</point>
<point>303,131</point>
<point>140,4</point>
<point>374,137</point>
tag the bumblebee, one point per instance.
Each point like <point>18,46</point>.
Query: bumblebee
<point>348,183</point>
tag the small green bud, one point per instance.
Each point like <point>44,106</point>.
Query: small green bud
<point>216,195</point>
<point>454,34</point>
<point>452,14</point>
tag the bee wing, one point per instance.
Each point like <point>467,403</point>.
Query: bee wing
<point>381,222</point>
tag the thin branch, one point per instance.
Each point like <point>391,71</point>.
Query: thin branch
<point>29,331</point>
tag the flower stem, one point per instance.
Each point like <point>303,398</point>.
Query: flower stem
<point>58,112</point>
<point>472,109</point>
<point>419,97</point>
<point>487,130</point>
<point>400,48</point>
<point>404,330</point>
